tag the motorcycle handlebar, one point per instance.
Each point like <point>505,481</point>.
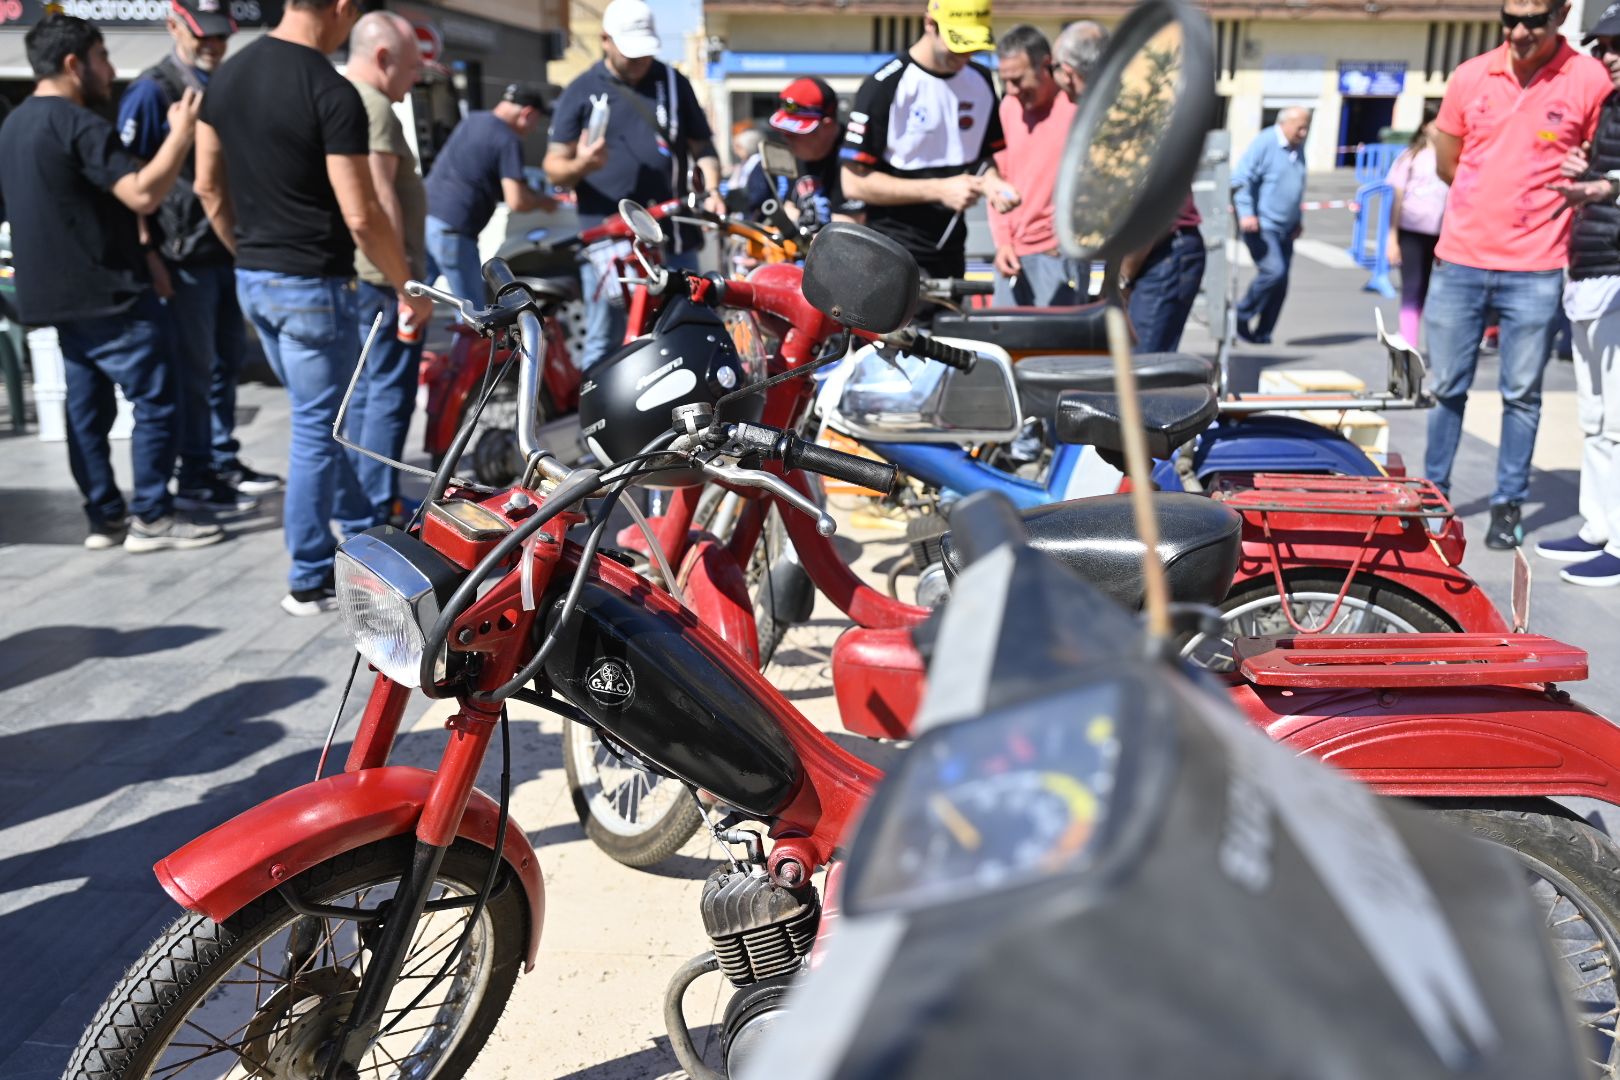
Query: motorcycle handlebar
<point>498,276</point>
<point>932,349</point>
<point>863,472</point>
<point>957,288</point>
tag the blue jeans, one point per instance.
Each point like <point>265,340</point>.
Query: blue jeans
<point>1165,290</point>
<point>1273,254</point>
<point>306,325</point>
<point>1526,304</point>
<point>455,255</point>
<point>605,318</point>
<point>209,343</point>
<point>1043,281</point>
<point>129,351</point>
<point>384,398</point>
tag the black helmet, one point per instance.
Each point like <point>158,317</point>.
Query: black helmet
<point>625,401</point>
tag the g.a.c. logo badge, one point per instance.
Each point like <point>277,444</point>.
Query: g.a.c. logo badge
<point>611,683</point>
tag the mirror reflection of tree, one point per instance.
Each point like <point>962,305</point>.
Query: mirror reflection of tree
<point>1127,138</point>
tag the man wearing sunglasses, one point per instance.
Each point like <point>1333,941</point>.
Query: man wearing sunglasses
<point>1509,118</point>
<point>1592,302</point>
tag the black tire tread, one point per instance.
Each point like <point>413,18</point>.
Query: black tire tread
<point>141,1003</point>
<point>650,848</point>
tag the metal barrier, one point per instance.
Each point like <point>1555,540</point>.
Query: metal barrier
<point>1375,201</point>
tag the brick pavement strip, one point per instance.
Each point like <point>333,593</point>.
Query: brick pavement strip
<point>144,699</point>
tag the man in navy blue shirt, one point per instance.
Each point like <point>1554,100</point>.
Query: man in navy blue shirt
<point>654,128</point>
<point>481,164</point>
<point>194,273</point>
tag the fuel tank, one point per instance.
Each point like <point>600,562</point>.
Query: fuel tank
<point>661,693</point>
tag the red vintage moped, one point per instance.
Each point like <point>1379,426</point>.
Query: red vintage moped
<point>374,921</point>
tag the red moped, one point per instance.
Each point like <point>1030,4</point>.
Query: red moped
<point>375,920</point>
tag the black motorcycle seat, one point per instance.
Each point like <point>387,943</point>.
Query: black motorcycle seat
<point>551,290</point>
<point>1026,329</point>
<point>1171,417</point>
<point>1200,541</point>
<point>1041,379</point>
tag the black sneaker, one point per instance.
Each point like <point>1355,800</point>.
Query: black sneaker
<point>105,535</point>
<point>1505,531</point>
<point>172,532</point>
<point>303,603</point>
<point>242,478</point>
<point>215,495</point>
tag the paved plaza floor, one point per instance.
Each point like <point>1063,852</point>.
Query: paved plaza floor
<point>144,699</point>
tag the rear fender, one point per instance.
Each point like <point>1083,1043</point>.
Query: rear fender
<point>1271,443</point>
<point>231,865</point>
<point>1454,742</point>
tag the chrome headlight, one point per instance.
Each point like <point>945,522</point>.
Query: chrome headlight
<point>390,590</point>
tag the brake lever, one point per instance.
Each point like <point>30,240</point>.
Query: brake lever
<point>464,308</point>
<point>774,484</point>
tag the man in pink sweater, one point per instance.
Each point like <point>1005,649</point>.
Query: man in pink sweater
<point>1035,118</point>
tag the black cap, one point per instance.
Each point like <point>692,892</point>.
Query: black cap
<point>527,95</point>
<point>1607,25</point>
<point>205,18</point>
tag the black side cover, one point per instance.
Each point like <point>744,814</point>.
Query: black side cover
<point>657,691</point>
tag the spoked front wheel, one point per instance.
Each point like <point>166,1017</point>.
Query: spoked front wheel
<point>259,995</point>
<point>637,816</point>
<point>1369,607</point>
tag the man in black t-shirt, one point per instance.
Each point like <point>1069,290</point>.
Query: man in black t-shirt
<point>807,116</point>
<point>918,145</point>
<point>288,187</point>
<point>71,192</point>
<point>654,128</point>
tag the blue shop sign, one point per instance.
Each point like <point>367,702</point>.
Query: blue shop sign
<point>1358,78</point>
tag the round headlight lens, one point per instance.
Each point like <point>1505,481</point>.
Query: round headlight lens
<point>380,620</point>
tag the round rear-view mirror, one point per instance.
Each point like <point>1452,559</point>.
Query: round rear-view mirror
<point>643,226</point>
<point>1137,136</point>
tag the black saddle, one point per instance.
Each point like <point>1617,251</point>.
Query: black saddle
<point>1171,418</point>
<point>1199,540</point>
<point>1041,379</point>
<point>1022,329</point>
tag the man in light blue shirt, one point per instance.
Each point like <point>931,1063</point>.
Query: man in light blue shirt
<point>1266,189</point>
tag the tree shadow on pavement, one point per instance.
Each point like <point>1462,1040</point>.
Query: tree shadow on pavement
<point>56,767</point>
<point>43,651</point>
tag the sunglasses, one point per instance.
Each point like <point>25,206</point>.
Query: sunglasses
<point>793,108</point>
<point>1539,21</point>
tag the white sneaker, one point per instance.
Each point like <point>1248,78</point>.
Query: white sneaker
<point>173,531</point>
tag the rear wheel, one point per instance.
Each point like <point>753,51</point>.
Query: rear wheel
<point>234,999</point>
<point>1574,872</point>
<point>1370,606</point>
<point>637,816</point>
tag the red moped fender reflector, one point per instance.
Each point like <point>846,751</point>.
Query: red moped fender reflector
<point>1407,660</point>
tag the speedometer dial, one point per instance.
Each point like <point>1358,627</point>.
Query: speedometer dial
<point>993,802</point>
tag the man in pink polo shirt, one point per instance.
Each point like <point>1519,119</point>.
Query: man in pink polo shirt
<point>1508,119</point>
<point>1035,118</point>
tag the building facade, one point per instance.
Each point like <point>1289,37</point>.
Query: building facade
<point>1363,65</point>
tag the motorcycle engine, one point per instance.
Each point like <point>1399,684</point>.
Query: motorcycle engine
<point>759,929</point>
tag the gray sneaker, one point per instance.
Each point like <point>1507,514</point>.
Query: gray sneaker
<point>173,531</point>
<point>105,535</point>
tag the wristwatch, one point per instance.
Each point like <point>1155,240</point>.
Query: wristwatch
<point>1613,177</point>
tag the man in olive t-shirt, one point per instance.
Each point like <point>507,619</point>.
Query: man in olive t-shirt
<point>384,62</point>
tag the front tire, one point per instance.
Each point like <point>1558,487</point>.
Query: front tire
<point>216,1000</point>
<point>1371,606</point>
<point>1574,871</point>
<point>638,817</point>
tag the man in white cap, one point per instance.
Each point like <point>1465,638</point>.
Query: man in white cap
<point>654,128</point>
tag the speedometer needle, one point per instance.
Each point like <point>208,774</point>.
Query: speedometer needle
<point>959,826</point>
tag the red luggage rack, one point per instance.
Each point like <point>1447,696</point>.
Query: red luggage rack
<point>1283,510</point>
<point>1408,660</point>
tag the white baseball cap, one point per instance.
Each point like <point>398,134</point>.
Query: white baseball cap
<point>630,24</point>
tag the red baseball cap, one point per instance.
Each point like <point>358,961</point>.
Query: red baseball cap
<point>803,106</point>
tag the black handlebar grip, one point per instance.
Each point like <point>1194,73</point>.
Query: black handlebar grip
<point>878,476</point>
<point>961,287</point>
<point>930,349</point>
<point>498,276</point>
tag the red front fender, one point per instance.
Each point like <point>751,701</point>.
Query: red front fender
<point>229,866</point>
<point>1488,741</point>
